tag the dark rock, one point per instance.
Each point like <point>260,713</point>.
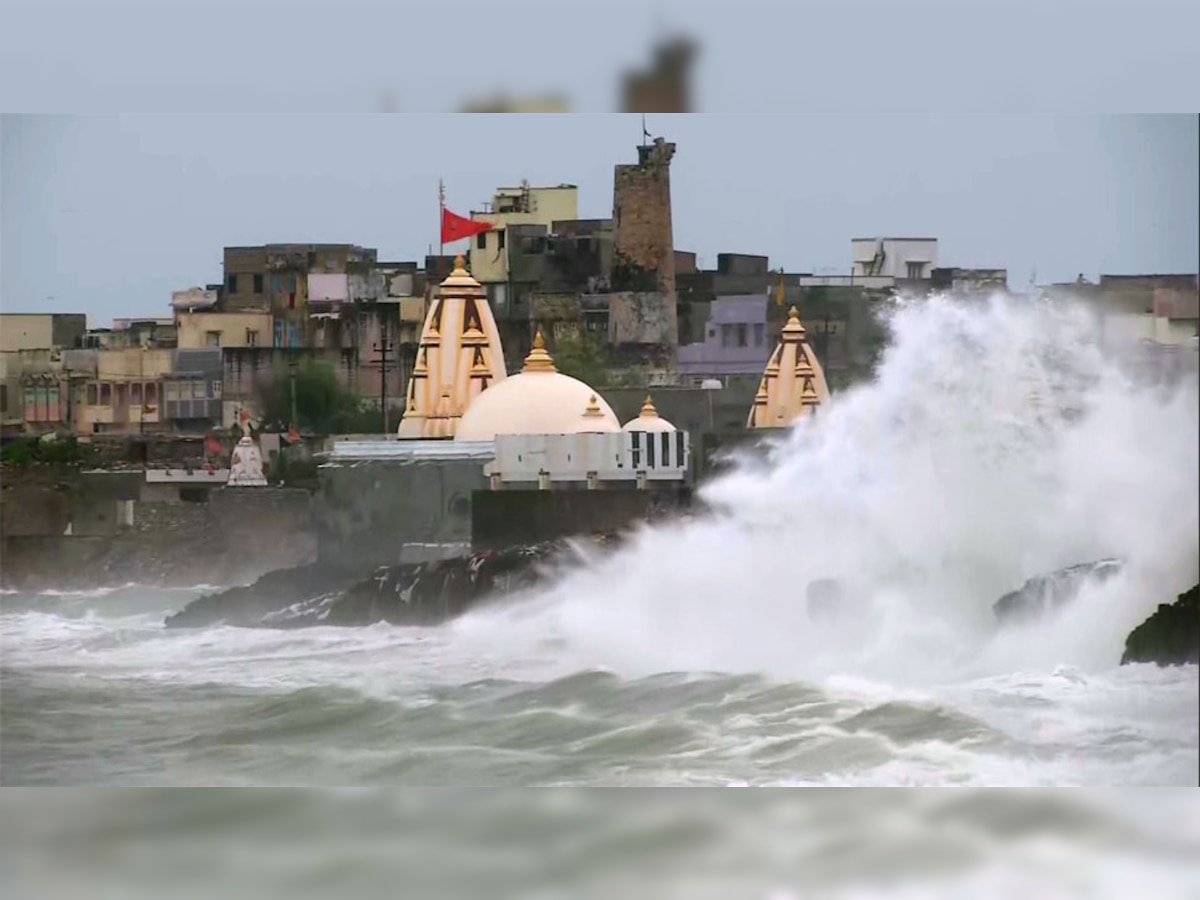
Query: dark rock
<point>1170,637</point>
<point>413,594</point>
<point>1046,594</point>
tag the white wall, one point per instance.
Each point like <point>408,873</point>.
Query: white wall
<point>618,456</point>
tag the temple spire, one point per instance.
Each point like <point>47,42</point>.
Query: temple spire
<point>793,383</point>
<point>458,357</point>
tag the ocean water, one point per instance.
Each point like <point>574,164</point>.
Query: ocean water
<point>998,442</point>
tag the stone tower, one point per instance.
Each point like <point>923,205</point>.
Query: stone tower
<point>643,245</point>
<point>459,356</point>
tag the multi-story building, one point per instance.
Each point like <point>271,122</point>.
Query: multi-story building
<point>520,206</point>
<point>32,345</point>
<point>116,391</point>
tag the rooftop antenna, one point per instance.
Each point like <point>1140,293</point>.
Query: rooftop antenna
<point>645,133</point>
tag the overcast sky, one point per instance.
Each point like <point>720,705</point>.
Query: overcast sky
<point>107,215</point>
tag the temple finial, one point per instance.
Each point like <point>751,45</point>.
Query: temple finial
<point>538,359</point>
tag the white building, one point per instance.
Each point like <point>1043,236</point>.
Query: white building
<point>902,258</point>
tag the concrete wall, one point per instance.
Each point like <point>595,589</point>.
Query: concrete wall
<point>504,519</point>
<point>370,509</point>
<point>221,535</point>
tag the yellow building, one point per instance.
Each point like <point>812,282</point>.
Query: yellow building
<point>223,329</point>
<point>122,396</point>
<point>522,205</point>
<point>458,358</point>
<point>793,384</point>
<point>40,331</point>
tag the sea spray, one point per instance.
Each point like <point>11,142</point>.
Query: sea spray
<point>998,440</point>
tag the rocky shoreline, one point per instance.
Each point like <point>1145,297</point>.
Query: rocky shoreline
<point>1171,636</point>
<point>412,594</point>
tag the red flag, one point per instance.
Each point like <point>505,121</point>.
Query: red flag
<point>293,436</point>
<point>455,228</point>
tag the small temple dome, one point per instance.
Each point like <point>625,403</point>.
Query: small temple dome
<point>648,420</point>
<point>538,400</point>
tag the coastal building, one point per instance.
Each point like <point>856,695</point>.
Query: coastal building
<point>793,384</point>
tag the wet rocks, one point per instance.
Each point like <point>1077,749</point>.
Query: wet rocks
<point>1171,636</point>
<point>425,593</point>
<point>1045,594</point>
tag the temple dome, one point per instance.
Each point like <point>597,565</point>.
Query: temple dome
<point>538,400</point>
<point>648,420</point>
<point>793,384</point>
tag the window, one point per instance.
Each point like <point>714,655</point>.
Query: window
<point>666,448</point>
<point>251,337</point>
<point>914,269</point>
<point>726,335</point>
<point>198,389</point>
<point>500,240</point>
<point>171,389</point>
<point>292,283</point>
<point>212,339</point>
<point>231,284</point>
<point>215,389</point>
<point>93,394</point>
<point>135,393</point>
<point>678,450</point>
<point>481,241</point>
<point>258,284</point>
<point>649,451</point>
<point>277,283</point>
<point>3,398</point>
<point>105,394</point>
<point>759,334</point>
<point>151,394</point>
<point>741,335</point>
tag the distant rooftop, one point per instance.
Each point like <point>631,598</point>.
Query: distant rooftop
<point>858,240</point>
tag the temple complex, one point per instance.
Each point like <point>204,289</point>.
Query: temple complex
<point>793,384</point>
<point>458,358</point>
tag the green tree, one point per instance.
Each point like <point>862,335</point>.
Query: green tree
<point>580,355</point>
<point>323,404</point>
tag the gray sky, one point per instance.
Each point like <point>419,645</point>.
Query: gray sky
<point>107,215</point>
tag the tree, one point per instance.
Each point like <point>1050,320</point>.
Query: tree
<point>323,404</point>
<point>580,355</point>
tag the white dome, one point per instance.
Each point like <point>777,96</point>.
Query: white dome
<point>649,420</point>
<point>540,400</point>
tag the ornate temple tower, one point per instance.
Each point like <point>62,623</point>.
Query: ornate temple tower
<point>793,384</point>
<point>458,358</point>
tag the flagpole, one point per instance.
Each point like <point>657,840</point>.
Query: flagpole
<point>441,219</point>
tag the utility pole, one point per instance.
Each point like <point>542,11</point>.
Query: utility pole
<point>292,363</point>
<point>383,348</point>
